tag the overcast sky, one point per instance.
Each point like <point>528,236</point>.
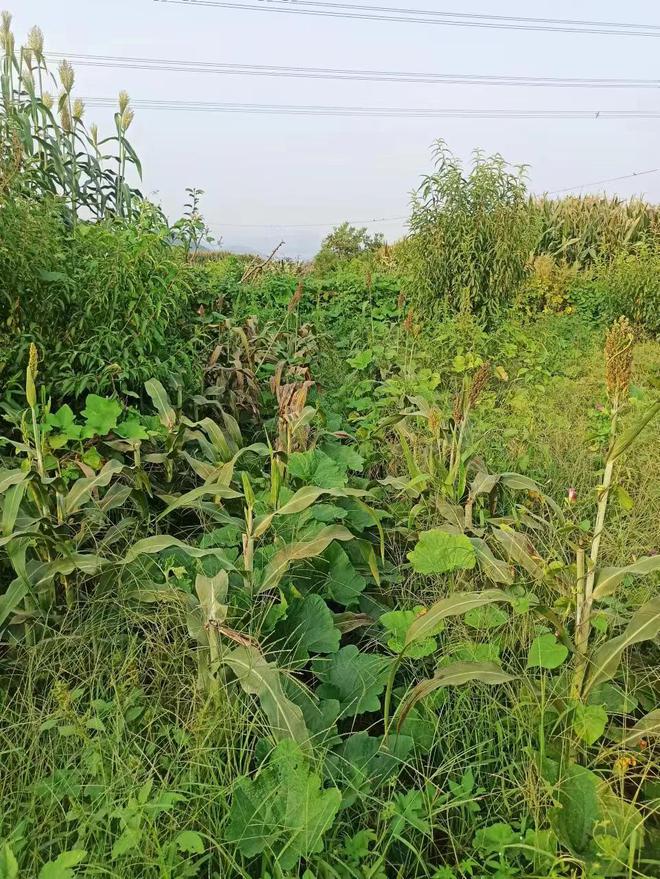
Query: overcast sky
<point>270,169</point>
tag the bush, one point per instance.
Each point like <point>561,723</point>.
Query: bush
<point>470,238</point>
<point>344,243</point>
<point>628,285</point>
<point>109,302</point>
<point>548,288</point>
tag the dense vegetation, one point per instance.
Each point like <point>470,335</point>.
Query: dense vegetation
<point>341,570</point>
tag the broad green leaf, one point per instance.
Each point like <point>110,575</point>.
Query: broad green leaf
<point>364,763</point>
<point>647,727</point>
<point>484,618</point>
<point>579,809</point>
<point>438,552</point>
<point>629,436</point>
<point>314,467</point>
<point>64,421</point>
<point>101,415</point>
<point>83,489</point>
<point>623,498</point>
<point>453,675</point>
<point>11,477</point>
<point>307,628</point>
<point>11,506</point>
<point>607,579</point>
<point>302,500</point>
<point>546,652</point>
<point>263,679</point>
<point>160,542</point>
<point>190,499</point>
<point>190,842</point>
<point>495,838</point>
<point>429,624</point>
<point>397,623</point>
<point>162,403</point>
<point>304,549</point>
<point>212,595</point>
<point>12,597</point>
<point>132,429</point>
<point>495,569</point>
<point>344,455</point>
<point>644,625</point>
<point>589,722</point>
<point>8,863</point>
<point>61,867</point>
<point>355,679</point>
<point>519,549</point>
<point>344,584</point>
<point>284,810</point>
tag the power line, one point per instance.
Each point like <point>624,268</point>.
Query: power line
<point>398,219</point>
<point>355,75</point>
<point>607,180</point>
<point>383,112</point>
<point>426,16</point>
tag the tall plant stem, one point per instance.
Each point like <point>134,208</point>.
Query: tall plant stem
<point>586,581</point>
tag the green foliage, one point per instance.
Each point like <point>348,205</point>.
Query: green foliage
<point>470,236</point>
<point>284,810</point>
<point>439,552</point>
<point>546,652</point>
<point>346,242</point>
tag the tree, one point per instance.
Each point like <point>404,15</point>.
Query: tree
<point>346,242</point>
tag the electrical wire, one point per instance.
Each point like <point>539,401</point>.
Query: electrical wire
<point>405,217</point>
<point>161,64</point>
<point>426,16</point>
<point>384,112</point>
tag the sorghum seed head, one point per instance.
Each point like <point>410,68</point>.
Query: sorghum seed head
<point>479,382</point>
<point>67,76</point>
<point>33,361</point>
<point>36,42</point>
<point>47,100</point>
<point>78,109</point>
<point>65,117</point>
<point>619,357</point>
<point>126,118</point>
<point>295,299</point>
<point>123,101</point>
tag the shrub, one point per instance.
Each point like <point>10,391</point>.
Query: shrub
<point>107,301</point>
<point>470,236</point>
<point>346,242</point>
<point>548,288</point>
<point>628,285</point>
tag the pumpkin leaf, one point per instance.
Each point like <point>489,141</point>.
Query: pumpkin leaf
<point>546,652</point>
<point>284,810</point>
<point>439,552</point>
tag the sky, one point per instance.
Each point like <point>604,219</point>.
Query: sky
<point>272,178</point>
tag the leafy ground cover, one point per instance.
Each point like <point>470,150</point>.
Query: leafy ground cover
<point>299,578</point>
